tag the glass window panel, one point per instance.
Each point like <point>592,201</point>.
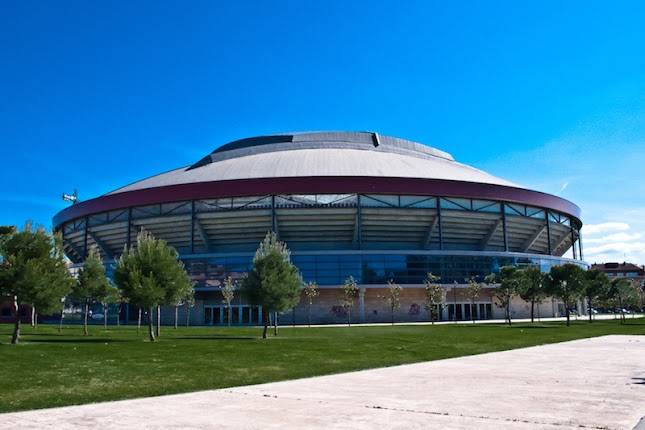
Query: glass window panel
<point>484,204</point>
<point>456,204</point>
<point>336,199</point>
<point>418,201</point>
<point>378,200</point>
<point>513,209</point>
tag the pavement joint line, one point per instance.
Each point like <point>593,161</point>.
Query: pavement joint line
<point>448,414</point>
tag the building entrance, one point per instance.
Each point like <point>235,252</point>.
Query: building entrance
<point>240,315</point>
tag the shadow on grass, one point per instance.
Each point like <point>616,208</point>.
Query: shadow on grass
<point>215,337</point>
<point>82,340</point>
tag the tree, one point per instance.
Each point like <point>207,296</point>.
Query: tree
<point>531,286</point>
<point>620,292</point>
<point>393,297</point>
<point>33,270</point>
<point>595,287</point>
<point>228,293</point>
<point>274,282</point>
<point>311,292</point>
<point>110,296</point>
<point>435,296</point>
<point>566,282</point>
<point>189,302</point>
<point>348,295</point>
<point>150,275</point>
<point>472,292</point>
<point>177,296</point>
<point>92,285</point>
<point>507,281</point>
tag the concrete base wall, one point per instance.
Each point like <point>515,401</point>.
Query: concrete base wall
<point>370,305</point>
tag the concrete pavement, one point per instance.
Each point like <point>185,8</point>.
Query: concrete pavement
<point>596,383</point>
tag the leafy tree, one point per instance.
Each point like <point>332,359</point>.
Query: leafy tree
<point>109,297</point>
<point>274,282</point>
<point>92,285</point>
<point>348,295</point>
<point>189,302</point>
<point>531,286</point>
<point>620,292</point>
<point>33,270</point>
<point>228,293</point>
<point>566,282</point>
<point>182,291</point>
<point>472,292</point>
<point>393,297</point>
<point>507,287</point>
<point>595,287</point>
<point>434,295</point>
<point>311,292</point>
<point>150,275</point>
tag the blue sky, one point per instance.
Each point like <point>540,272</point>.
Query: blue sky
<point>550,95</point>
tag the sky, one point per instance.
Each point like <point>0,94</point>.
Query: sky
<point>550,95</point>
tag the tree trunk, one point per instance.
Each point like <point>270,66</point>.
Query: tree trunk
<point>118,316</point>
<point>87,311</point>
<point>309,315</point>
<point>392,313</point>
<point>105,316</point>
<point>176,316</point>
<point>472,311</point>
<point>532,311</point>
<point>349,317</point>
<point>60,322</point>
<point>566,312</point>
<point>158,320</point>
<point>508,312</point>
<point>33,316</point>
<point>275,323</point>
<point>228,314</point>
<point>187,315</point>
<point>589,308</point>
<point>36,320</point>
<point>139,321</point>
<point>265,317</point>
<point>15,338</point>
<point>151,332</point>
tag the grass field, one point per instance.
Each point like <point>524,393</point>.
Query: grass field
<point>55,369</point>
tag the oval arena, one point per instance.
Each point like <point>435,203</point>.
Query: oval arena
<point>375,207</point>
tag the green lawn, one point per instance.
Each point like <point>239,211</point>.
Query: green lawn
<point>52,369</point>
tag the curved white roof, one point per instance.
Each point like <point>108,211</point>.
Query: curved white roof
<point>321,154</point>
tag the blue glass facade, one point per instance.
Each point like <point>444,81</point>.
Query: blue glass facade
<point>377,268</point>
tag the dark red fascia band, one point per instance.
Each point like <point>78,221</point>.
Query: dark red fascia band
<point>315,185</point>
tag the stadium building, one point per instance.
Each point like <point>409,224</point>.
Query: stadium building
<point>375,207</point>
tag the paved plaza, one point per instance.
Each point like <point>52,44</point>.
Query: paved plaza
<point>596,383</point>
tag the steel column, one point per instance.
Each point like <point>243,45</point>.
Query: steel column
<point>580,245</point>
<point>192,227</point>
<point>439,223</point>
<point>548,232</point>
<point>359,225</point>
<point>573,243</point>
<point>274,221</point>
<point>128,241</point>
<point>87,224</point>
<point>504,232</point>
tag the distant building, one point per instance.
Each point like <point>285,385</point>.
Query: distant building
<point>630,271</point>
<point>375,207</point>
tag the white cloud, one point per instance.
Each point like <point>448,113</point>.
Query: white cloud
<point>616,237</point>
<point>604,227</point>
<point>619,246</point>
